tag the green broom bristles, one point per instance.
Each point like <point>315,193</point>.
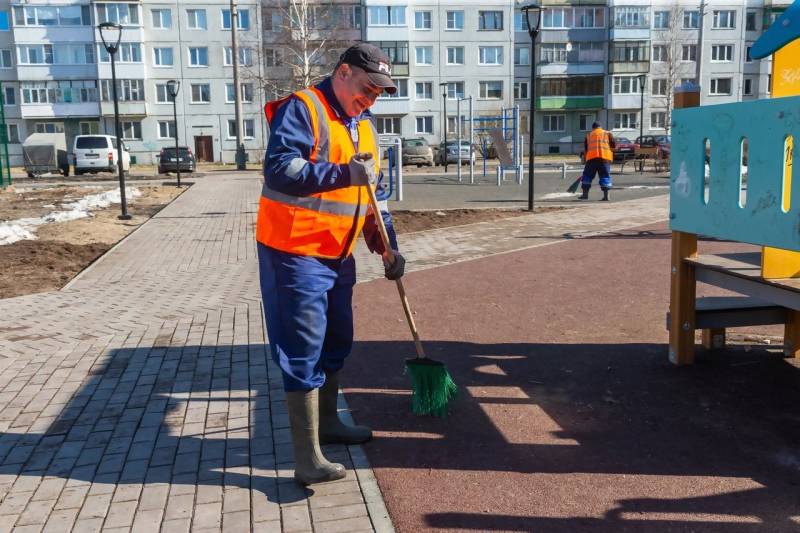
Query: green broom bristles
<point>432,388</point>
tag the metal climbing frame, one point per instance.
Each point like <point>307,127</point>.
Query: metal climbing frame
<point>507,123</point>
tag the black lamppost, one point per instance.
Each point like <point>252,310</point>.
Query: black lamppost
<point>111,34</point>
<point>444,122</point>
<point>172,89</point>
<point>533,31</point>
<point>642,79</point>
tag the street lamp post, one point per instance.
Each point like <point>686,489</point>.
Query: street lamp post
<point>172,87</point>
<point>641,105</point>
<point>444,122</point>
<point>111,34</point>
<point>533,32</point>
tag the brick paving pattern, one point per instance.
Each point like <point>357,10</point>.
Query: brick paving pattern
<point>142,396</point>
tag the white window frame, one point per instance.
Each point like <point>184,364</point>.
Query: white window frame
<point>456,23</point>
<point>242,22</point>
<point>200,88</point>
<point>724,19</point>
<point>494,55</point>
<point>12,133</point>
<point>196,19</point>
<point>455,90</point>
<point>170,126</point>
<point>662,54</point>
<point>426,120</point>
<point>484,89</point>
<point>693,18</point>
<point>692,49</point>
<point>394,15</point>
<point>661,120</point>
<point>159,12</point>
<point>429,53</point>
<point>383,121</point>
<point>626,120</point>
<point>658,22</point>
<point>721,53</point>
<point>10,91</point>
<point>426,95</point>
<point>518,56</point>
<point>518,90</point>
<point>198,65</point>
<point>560,123</point>
<point>426,21</point>
<point>129,127</point>
<point>157,57</point>
<point>714,89</point>
<point>625,85</point>
<point>455,55</point>
<point>747,91</point>
<point>161,88</point>
<point>658,86</point>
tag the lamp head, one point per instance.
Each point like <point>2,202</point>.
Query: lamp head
<point>531,7</point>
<point>110,34</point>
<point>172,88</point>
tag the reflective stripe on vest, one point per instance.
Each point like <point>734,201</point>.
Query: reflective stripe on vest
<point>598,147</point>
<point>323,224</point>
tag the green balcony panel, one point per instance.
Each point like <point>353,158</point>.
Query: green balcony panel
<point>569,102</point>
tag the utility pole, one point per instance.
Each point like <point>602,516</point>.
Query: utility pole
<point>699,58</point>
<point>237,90</point>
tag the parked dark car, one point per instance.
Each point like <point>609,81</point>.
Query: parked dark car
<point>452,152</point>
<point>663,142</point>
<point>623,149</point>
<point>167,162</point>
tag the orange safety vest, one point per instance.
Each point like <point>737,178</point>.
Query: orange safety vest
<point>598,146</point>
<point>323,224</point>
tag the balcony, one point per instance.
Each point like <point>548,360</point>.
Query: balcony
<point>569,102</point>
<point>629,33</point>
<point>628,67</point>
<point>562,69</point>
<point>59,110</point>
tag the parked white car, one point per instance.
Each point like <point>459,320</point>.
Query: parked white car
<point>98,153</point>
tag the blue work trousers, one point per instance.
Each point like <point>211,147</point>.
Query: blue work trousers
<point>309,314</point>
<point>594,166</point>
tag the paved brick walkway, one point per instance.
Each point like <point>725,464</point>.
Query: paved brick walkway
<point>141,396</point>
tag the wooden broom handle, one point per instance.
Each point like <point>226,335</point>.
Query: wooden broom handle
<point>373,202</point>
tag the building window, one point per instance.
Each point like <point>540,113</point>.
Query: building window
<point>272,57</point>
<point>747,88</point>
<point>455,89</point>
<point>689,52</point>
<point>626,121</point>
<point>162,18</point>
<point>127,90</point>
<point>386,15</point>
<point>59,92</point>
<point>389,125</point>
<point>423,20</point>
<point>747,57</point>
<point>10,96</point>
<point>424,124</point>
<point>490,20</point>
<point>89,128</point>
<point>491,90</point>
<point>246,94</point>
<point>243,22</point>
<point>553,53</point>
<point>6,59</point>
<point>691,20</point>
<point>520,24</point>
<point>568,17</point>
<point>522,56</point>
<point>585,121</point>
<point>724,18</point>
<point>74,15</point>
<point>198,56</point>
<point>626,85</point>
<point>658,120</point>
<point>166,129</point>
<point>402,89</point>
<point>126,14</point>
<point>720,86</point>
<point>12,133</point>
<point>162,57</point>
<point>196,19</point>
<point>631,17</point>
<point>722,52</point>
<point>396,50</point>
<point>628,51</point>
<point>455,55</point>
<point>554,123</point>
<point>521,90</point>
<point>455,20</point>
<point>162,94</point>
<point>245,56</point>
<point>571,86</point>
<point>424,55</point>
<point>201,93</point>
<point>49,127</point>
<point>424,90</point>
<point>127,53</point>
<point>659,87</point>
<point>131,130</point>
<point>750,21</point>
<point>659,52</point>
<point>490,55</point>
<point>661,20</point>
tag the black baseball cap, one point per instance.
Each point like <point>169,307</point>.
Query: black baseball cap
<point>373,61</point>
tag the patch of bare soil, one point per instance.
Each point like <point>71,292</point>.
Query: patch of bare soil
<point>62,250</point>
<point>410,221</point>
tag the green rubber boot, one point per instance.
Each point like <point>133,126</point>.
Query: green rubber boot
<point>331,429</point>
<point>310,465</point>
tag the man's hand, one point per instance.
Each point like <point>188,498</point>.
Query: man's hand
<point>394,265</point>
<point>362,169</point>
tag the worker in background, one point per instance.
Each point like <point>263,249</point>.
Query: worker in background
<point>598,147</point>
<point>313,206</point>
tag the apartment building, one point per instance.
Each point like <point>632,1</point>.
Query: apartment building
<point>56,74</point>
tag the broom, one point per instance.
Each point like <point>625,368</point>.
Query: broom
<point>432,388</point>
<point>575,184</point>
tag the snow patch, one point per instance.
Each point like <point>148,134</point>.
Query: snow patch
<point>552,195</point>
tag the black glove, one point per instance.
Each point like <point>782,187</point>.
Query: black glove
<point>362,169</point>
<point>396,269</point>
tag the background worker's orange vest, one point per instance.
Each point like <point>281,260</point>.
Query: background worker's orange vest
<point>323,224</point>
<point>598,146</point>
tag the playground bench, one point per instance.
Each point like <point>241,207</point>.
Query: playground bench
<point>643,155</point>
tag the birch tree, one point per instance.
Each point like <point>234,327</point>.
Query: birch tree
<point>673,68</point>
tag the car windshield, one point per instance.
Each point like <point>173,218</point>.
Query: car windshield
<point>415,142</point>
<point>91,142</point>
<point>663,139</point>
<point>181,150</point>
<point>623,140</point>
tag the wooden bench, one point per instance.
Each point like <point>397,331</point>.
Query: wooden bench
<point>645,154</point>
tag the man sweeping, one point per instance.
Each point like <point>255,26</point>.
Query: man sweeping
<point>598,147</point>
<point>312,208</point>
